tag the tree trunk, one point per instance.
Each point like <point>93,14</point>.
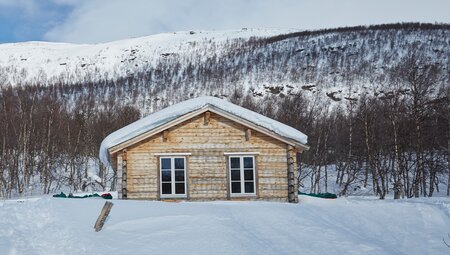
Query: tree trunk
<point>373,165</point>
<point>448,156</point>
<point>397,172</point>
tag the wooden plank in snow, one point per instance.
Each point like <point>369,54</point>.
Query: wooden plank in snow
<point>103,215</point>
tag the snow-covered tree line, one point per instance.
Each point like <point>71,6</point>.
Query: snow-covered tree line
<point>372,100</point>
<point>398,144</point>
<point>47,144</point>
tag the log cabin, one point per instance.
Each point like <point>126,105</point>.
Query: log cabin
<point>205,149</point>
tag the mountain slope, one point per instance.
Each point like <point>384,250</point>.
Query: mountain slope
<point>336,64</point>
<point>46,62</point>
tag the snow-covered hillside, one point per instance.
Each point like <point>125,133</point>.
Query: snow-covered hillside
<point>33,62</point>
<point>336,64</point>
<point>314,226</point>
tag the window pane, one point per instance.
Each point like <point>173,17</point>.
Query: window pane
<point>235,163</point>
<point>235,175</point>
<point>248,162</point>
<point>165,163</point>
<point>236,187</point>
<point>179,163</point>
<point>166,176</point>
<point>166,188</point>
<point>249,187</point>
<point>248,175</point>
<point>179,175</point>
<point>179,188</point>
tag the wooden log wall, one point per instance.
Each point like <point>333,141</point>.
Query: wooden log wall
<point>207,137</point>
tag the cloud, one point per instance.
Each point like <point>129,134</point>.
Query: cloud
<point>67,2</point>
<point>100,20</point>
<point>36,10</point>
<point>26,7</point>
<point>23,20</point>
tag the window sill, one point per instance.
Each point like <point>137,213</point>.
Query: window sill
<point>173,197</point>
<point>243,195</point>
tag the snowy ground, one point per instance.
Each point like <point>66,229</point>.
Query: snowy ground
<point>355,225</point>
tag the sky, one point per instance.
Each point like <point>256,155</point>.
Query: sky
<point>96,21</point>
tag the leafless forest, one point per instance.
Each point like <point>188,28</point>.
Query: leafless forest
<point>374,101</point>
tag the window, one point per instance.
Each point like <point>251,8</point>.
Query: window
<point>242,175</point>
<point>173,176</point>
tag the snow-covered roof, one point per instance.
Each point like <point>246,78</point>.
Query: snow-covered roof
<point>173,112</point>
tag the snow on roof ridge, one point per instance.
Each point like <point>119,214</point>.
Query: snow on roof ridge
<point>172,112</point>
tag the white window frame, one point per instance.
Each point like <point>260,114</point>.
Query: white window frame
<point>172,178</point>
<point>242,179</point>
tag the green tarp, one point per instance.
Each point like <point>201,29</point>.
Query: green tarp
<point>62,195</point>
<point>320,195</point>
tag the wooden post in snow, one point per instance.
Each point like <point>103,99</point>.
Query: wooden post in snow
<point>103,215</point>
